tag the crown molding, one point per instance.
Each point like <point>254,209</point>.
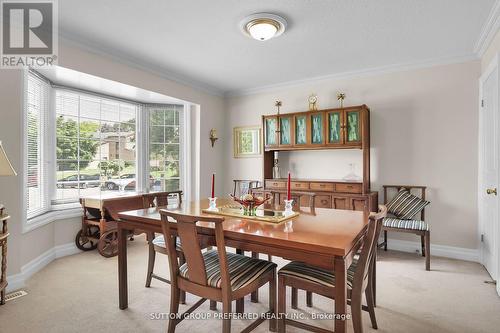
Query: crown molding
<point>489,30</point>
<point>120,57</point>
<point>354,74</point>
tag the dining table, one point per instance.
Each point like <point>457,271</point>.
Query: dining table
<point>326,238</point>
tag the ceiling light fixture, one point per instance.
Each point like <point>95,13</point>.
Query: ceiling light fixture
<point>263,26</point>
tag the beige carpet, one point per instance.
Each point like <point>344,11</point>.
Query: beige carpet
<point>79,294</point>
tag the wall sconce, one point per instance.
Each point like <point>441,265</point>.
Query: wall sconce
<point>213,136</point>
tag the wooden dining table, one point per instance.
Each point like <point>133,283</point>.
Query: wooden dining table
<point>325,238</point>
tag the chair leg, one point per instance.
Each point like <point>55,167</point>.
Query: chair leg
<point>281,304</point>
<point>427,251</point>
<point>226,321</point>
<point>254,297</point>
<point>357,321</point>
<point>309,299</point>
<point>151,260</point>
<point>422,241</point>
<point>294,297</point>
<point>213,305</point>
<point>371,306</point>
<point>373,279</point>
<point>385,240</point>
<point>240,305</point>
<point>174,308</point>
<point>272,302</point>
<point>182,261</point>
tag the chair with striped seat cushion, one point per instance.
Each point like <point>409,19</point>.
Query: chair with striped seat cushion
<point>359,279</point>
<point>392,222</point>
<point>215,275</point>
<point>157,243</point>
<point>242,270</point>
<point>318,275</point>
<point>404,206</point>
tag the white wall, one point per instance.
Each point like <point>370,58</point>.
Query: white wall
<point>24,248</point>
<point>424,129</point>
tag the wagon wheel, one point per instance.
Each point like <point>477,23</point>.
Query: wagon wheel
<point>108,244</point>
<point>83,242</point>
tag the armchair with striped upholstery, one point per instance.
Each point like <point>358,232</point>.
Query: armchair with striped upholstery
<point>408,221</point>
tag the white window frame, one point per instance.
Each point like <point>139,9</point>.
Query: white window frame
<point>184,142</point>
<point>56,212</point>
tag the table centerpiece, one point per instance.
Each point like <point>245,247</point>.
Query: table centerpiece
<point>250,203</point>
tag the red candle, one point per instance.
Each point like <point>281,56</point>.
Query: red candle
<point>288,193</point>
<point>213,185</point>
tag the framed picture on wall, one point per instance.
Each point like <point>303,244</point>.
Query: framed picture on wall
<point>247,141</point>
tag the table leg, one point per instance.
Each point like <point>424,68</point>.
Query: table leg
<point>122,267</point>
<point>340,293</point>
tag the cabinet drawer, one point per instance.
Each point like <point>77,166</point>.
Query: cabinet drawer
<point>299,185</point>
<point>348,188</point>
<point>321,187</point>
<point>323,201</point>
<point>275,184</point>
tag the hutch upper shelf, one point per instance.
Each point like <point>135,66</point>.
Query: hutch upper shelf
<point>325,129</point>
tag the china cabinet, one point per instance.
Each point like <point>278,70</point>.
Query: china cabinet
<point>341,128</point>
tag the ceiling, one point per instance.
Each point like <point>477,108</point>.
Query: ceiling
<point>200,42</point>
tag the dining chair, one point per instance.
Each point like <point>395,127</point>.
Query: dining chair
<point>321,281</point>
<point>405,201</point>
<point>297,199</point>
<point>157,243</point>
<point>244,186</point>
<point>215,275</point>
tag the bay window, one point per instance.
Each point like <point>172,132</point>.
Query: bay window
<point>81,143</point>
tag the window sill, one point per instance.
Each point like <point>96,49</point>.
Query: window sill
<point>59,212</point>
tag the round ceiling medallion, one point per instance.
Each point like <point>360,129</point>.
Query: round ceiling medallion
<point>263,26</point>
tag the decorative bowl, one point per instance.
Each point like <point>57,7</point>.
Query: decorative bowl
<point>250,203</point>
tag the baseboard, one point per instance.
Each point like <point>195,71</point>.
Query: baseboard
<point>18,281</point>
<point>436,250</point>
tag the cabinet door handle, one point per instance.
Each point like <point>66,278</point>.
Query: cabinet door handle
<point>491,191</point>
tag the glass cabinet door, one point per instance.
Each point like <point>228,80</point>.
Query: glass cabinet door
<point>353,127</point>
<point>271,125</point>
<point>317,129</point>
<point>285,131</point>
<point>334,127</point>
<point>300,130</point>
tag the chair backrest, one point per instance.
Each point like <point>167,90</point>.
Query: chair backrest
<point>117,205</point>
<point>187,231</point>
<point>417,188</point>
<point>160,199</point>
<point>368,249</point>
<point>244,186</point>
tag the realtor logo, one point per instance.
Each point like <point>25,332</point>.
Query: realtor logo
<point>29,36</point>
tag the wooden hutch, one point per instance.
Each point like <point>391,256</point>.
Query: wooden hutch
<point>342,128</point>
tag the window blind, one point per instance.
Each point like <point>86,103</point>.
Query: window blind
<point>36,114</point>
<point>95,145</point>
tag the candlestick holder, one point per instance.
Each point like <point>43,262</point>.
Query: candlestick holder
<point>212,204</point>
<point>288,207</point>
